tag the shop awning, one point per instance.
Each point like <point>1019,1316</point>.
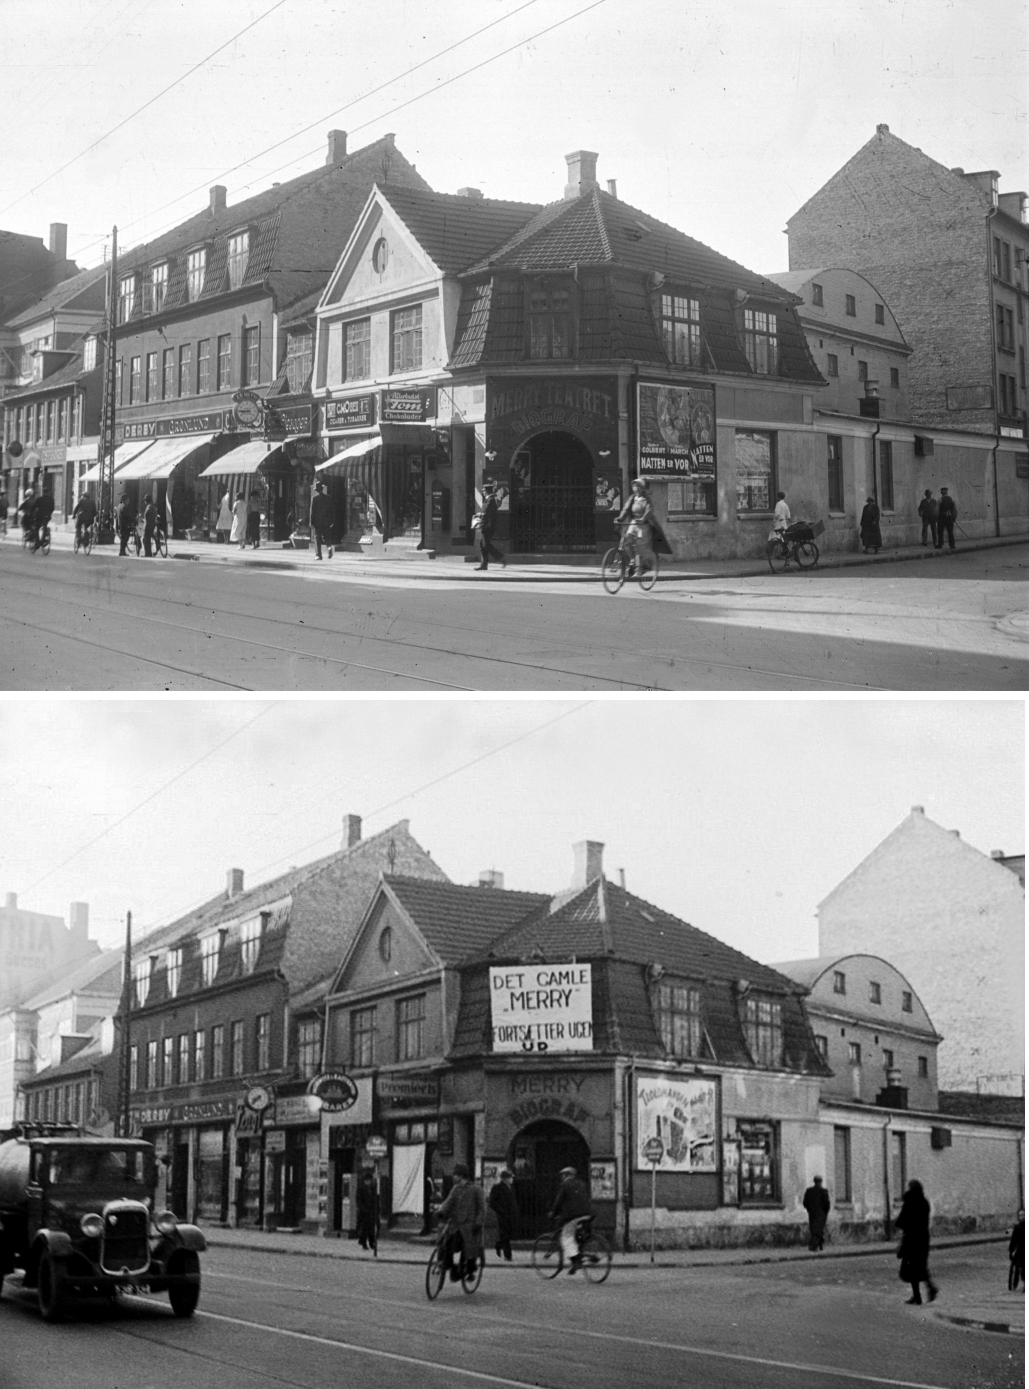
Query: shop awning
<point>350,456</point>
<point>243,460</point>
<point>162,459</point>
<point>123,455</point>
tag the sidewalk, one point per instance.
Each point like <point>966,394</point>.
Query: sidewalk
<point>966,1304</point>
<point>521,569</point>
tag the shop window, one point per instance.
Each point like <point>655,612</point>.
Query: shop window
<point>173,970</point>
<point>680,328</point>
<point>550,322</point>
<point>759,1162</point>
<point>875,992</point>
<point>762,1030</point>
<point>134,379</point>
<point>299,357</point>
<point>309,1047</point>
<point>183,1058</point>
<point>761,341</point>
<point>678,1015</point>
<point>411,1028</point>
<point>817,295</point>
<point>141,980</point>
<point>262,1040</point>
<point>251,372</point>
<point>217,1051</point>
<point>755,470</point>
<point>126,297</point>
<point>358,338</point>
<point>199,1055</point>
<point>886,475</point>
<point>203,366</point>
<point>151,1065</point>
<point>880,314</point>
<point>168,1061</point>
<point>158,287</point>
<point>406,339</point>
<point>850,306</point>
<point>835,466</point>
<point>196,268</point>
<point>841,1164</point>
<point>168,374</point>
<point>362,1037</point>
<point>224,361</point>
<point>239,255</point>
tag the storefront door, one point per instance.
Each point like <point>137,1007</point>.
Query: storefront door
<point>552,495</point>
<point>536,1159</point>
<point>212,1170</point>
<point>180,1181</point>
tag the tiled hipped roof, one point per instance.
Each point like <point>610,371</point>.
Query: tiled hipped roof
<point>454,229</point>
<point>460,921</point>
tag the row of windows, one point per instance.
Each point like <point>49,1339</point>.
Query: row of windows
<point>875,992</point>
<point>171,374</point>
<point>837,502</point>
<point>63,1104</point>
<point>833,369</point>
<point>1002,262</point>
<point>410,1034</point>
<point>854,1056</point>
<point>251,934</point>
<point>679,1020</point>
<point>56,421</point>
<point>849,303</point>
<point>187,1058</point>
<point>153,286</point>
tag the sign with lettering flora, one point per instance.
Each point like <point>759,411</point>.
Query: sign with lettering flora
<point>682,1115</point>
<point>541,1008</point>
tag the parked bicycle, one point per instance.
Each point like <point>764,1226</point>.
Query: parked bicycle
<point>594,1252</point>
<point>447,1255</point>
<point>620,564</point>
<point>159,539</point>
<point>795,544</point>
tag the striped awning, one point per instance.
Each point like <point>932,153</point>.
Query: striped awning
<point>163,457</point>
<point>123,455</point>
<point>245,459</point>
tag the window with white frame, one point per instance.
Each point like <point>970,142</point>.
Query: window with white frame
<point>152,388</point>
<point>680,328</point>
<point>183,1058</point>
<point>236,1058</point>
<point>199,1055</point>
<point>133,1067</point>
<point>168,1061</point>
<point>250,373</point>
<point>217,1051</point>
<point>761,341</point>
<point>239,255</point>
<point>358,338</point>
<point>411,1028</point>
<point>262,1040</point>
<point>210,955</point>
<point>362,1037</point>
<point>141,980</point>
<point>173,970</point>
<point>151,1065</point>
<point>158,287</point>
<point>89,354</point>
<point>196,268</point>
<point>299,357</point>
<point>406,338</point>
<point>755,470</point>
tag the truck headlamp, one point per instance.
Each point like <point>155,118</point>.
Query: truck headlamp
<point>166,1222</point>
<point>92,1225</point>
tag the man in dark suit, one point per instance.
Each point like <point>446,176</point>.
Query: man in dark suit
<point>321,518</point>
<point>485,523</point>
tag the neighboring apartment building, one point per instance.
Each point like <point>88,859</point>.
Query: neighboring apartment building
<point>952,921</point>
<point>81,1085</point>
<point>200,343</point>
<point>224,1035</point>
<point>36,947</point>
<point>558,351</point>
<point>28,270</point>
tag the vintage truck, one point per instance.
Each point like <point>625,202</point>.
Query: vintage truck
<point>77,1216</point>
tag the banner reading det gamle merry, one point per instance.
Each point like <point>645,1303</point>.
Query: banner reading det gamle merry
<point>541,1008</point>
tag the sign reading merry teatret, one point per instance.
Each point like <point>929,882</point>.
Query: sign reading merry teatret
<point>541,1008</point>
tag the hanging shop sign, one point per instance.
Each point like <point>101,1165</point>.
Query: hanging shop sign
<point>336,1090</point>
<point>249,409</point>
<point>682,1115</point>
<point>676,430</point>
<point>295,419</point>
<point>296,1109</point>
<point>248,1121</point>
<point>352,412</point>
<point>408,405</point>
<point>421,1089</point>
<point>542,1008</point>
<point>257,1098</point>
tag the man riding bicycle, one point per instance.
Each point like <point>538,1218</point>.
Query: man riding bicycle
<point>571,1207</point>
<point>465,1211</point>
<point>42,512</point>
<point>83,515</point>
<point>637,515</point>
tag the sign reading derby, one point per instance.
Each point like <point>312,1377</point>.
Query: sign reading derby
<point>336,1090</point>
<point>541,1008</point>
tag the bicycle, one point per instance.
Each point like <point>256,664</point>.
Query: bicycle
<point>440,1261</point>
<point>796,543</point>
<point>594,1253</point>
<point>159,538</point>
<point>85,537</point>
<point>618,565</point>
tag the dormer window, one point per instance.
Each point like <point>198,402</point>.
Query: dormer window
<point>251,934</point>
<point>126,297</point>
<point>196,269</point>
<point>550,322</point>
<point>158,287</point>
<point>173,971</point>
<point>680,328</point>
<point>678,1016</point>
<point>210,955</point>
<point>141,973</point>
<point>761,341</point>
<point>762,1029</point>
<point>239,255</point>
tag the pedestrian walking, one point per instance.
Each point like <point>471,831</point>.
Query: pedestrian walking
<point>571,1205</point>
<point>223,525</point>
<point>928,509</point>
<point>504,1204</point>
<point>1016,1253</point>
<point>871,535</point>
<point>946,515</point>
<point>126,521</point>
<point>254,519</point>
<point>321,518</point>
<point>817,1205</point>
<point>367,1202</point>
<point>150,517</point>
<point>484,523</point>
<point>913,1252</point>
<point>238,534</point>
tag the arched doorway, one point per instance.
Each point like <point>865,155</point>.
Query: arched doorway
<point>536,1157</point>
<point>552,495</point>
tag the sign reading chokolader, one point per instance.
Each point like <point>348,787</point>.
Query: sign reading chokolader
<point>407,405</point>
<point>540,1008</point>
<point>336,1090</point>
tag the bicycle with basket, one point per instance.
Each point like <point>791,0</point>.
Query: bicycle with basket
<point>795,544</point>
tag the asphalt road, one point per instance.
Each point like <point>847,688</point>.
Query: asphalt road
<point>270,1320</point>
<point>103,623</point>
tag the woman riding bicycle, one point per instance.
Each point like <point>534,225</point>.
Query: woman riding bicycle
<point>465,1211</point>
<point>638,517</point>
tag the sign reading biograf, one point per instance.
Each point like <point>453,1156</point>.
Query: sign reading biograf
<point>541,1008</point>
<point>677,430</point>
<point>682,1115</point>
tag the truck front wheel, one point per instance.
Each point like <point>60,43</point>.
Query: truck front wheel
<point>185,1294</point>
<point>50,1289</point>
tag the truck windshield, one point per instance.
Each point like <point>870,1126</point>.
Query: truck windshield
<point>99,1167</point>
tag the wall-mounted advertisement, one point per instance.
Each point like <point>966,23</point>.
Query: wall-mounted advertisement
<point>676,430</point>
<point>541,1008</point>
<point>684,1115</point>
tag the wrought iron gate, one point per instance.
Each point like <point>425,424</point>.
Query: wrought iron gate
<point>552,519</point>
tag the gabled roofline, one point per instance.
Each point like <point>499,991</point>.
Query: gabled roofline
<point>383,891</point>
<point>377,194</point>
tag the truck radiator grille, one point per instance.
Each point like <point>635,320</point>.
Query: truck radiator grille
<point>125,1243</point>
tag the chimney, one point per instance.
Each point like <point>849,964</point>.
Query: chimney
<point>469,192</point>
<point>955,833</point>
<point>217,199</point>
<point>621,878</point>
<point>612,187</point>
<point>996,853</point>
<point>337,150</point>
<point>490,877</point>
<point>918,810</point>
<point>78,922</point>
<point>588,858</point>
<point>59,240</point>
<point>882,130</point>
<point>582,172</point>
<point>11,904</point>
<point>234,882</point>
<point>351,831</point>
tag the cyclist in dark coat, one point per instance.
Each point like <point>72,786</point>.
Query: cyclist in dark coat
<point>571,1205</point>
<point>44,509</point>
<point>84,515</point>
<point>150,519</point>
<point>465,1209</point>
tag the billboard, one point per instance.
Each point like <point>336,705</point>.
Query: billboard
<point>541,1008</point>
<point>677,430</point>
<point>684,1115</point>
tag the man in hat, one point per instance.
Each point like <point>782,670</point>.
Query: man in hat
<point>927,509</point>
<point>945,518</point>
<point>816,1203</point>
<point>571,1206</point>
<point>484,523</point>
<point>465,1209</point>
<point>321,518</point>
<point>504,1205</point>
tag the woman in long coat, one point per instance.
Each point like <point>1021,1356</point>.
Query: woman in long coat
<point>238,534</point>
<point>465,1209</point>
<point>871,535</point>
<point>367,1212</point>
<point>913,1222</point>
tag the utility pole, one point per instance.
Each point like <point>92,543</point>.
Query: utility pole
<point>105,507</point>
<point>123,1118</point>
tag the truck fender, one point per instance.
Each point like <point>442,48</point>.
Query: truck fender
<point>192,1237</point>
<point>53,1242</point>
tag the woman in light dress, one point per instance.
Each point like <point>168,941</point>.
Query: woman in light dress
<point>224,523</point>
<point>238,534</point>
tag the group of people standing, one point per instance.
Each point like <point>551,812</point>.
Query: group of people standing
<point>938,518</point>
<point>239,519</point>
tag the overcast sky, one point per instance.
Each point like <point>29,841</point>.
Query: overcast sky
<point>721,117</point>
<point>738,815</point>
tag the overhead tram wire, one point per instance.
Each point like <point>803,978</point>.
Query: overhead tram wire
<point>164,91</point>
<point>383,116</point>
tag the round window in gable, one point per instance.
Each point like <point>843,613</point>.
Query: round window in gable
<point>386,944</point>
<point>380,255</point>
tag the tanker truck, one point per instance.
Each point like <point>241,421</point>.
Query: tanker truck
<point>77,1217</point>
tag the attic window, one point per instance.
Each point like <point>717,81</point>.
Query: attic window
<point>762,1029</point>
<point>210,953</point>
<point>761,341</point>
<point>141,972</point>
<point>126,297</point>
<point>239,255</point>
<point>173,968</point>
<point>386,944</point>
<point>250,937</point>
<point>196,268</point>
<point>158,286</point>
<point>550,321</point>
<point>678,1016</point>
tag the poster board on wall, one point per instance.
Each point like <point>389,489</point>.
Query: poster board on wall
<point>683,1113</point>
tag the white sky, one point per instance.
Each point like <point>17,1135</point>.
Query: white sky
<point>738,815</point>
<point>720,116</point>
